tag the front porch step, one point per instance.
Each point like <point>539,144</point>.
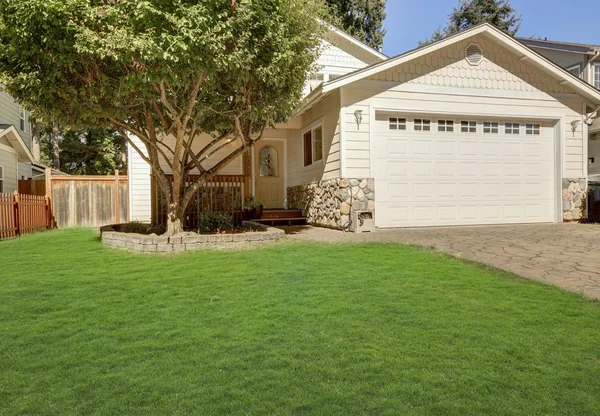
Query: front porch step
<point>282,221</point>
<point>281,213</point>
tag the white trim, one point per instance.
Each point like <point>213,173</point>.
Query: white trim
<point>584,89</point>
<point>586,144</point>
<point>2,179</point>
<point>16,141</point>
<point>467,54</point>
<point>578,67</point>
<point>23,118</point>
<point>559,167</point>
<point>372,138</point>
<point>358,43</point>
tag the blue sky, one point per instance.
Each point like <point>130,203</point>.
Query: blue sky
<point>410,21</point>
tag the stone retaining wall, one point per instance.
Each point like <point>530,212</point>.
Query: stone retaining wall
<point>329,203</point>
<point>190,241</point>
<point>573,199</point>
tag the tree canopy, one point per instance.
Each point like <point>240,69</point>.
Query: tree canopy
<point>469,13</point>
<point>362,19</point>
<point>157,68</point>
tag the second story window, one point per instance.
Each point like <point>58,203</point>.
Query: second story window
<point>22,124</point>
<point>575,70</point>
<point>597,76</point>
<point>316,80</point>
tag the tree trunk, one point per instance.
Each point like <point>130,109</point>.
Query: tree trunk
<point>55,146</point>
<point>36,142</point>
<point>175,219</point>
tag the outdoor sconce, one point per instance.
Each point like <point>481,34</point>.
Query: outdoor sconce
<point>574,125</point>
<point>358,117</point>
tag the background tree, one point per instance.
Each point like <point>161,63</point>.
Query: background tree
<point>95,151</point>
<point>164,71</point>
<point>469,13</point>
<point>362,19</point>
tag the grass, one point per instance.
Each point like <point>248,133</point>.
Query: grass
<point>286,329</point>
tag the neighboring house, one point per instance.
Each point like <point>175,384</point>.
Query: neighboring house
<point>19,156</point>
<point>474,129</point>
<point>584,62</point>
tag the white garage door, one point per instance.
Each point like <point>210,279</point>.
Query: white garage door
<point>462,171</point>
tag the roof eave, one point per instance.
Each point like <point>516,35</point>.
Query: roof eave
<point>16,141</point>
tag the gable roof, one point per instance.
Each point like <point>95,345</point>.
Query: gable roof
<point>585,90</point>
<point>14,138</point>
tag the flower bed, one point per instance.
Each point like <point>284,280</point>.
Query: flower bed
<point>190,241</point>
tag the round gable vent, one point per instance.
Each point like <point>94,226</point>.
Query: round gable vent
<point>474,54</point>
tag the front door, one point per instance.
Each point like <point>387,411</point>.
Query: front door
<point>268,172</point>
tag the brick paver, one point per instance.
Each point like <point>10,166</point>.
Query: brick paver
<point>565,255</point>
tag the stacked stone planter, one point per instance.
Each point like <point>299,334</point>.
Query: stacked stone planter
<point>330,203</point>
<point>574,198</point>
<point>190,241</point>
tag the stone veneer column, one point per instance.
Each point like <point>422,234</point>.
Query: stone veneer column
<point>329,203</point>
<point>574,196</point>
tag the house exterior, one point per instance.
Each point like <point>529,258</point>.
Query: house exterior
<point>584,62</point>
<point>18,152</point>
<point>477,128</point>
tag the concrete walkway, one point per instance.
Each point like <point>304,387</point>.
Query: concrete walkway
<point>565,255</point>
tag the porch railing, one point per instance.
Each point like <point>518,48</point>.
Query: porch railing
<point>223,193</point>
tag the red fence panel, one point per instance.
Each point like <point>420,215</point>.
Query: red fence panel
<point>23,214</point>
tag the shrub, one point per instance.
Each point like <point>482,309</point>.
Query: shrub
<point>134,227</point>
<point>213,222</point>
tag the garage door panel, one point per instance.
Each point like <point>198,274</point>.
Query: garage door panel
<point>424,178</point>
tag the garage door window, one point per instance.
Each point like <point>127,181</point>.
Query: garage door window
<point>512,128</point>
<point>397,123</point>
<point>490,127</point>
<point>422,125</point>
<point>533,129</point>
<point>446,126</point>
<point>468,126</point>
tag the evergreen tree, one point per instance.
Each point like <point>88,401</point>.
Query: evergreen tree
<point>362,19</point>
<point>469,13</point>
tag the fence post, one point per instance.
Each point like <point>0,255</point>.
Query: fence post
<point>16,213</point>
<point>117,207</point>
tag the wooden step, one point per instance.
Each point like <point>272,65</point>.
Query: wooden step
<point>281,213</point>
<point>282,221</point>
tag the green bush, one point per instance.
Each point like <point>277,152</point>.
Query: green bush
<point>141,228</point>
<point>213,222</point>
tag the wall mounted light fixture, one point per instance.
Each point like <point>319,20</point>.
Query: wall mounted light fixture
<point>358,117</point>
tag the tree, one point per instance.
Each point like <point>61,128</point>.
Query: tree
<point>167,72</point>
<point>94,151</point>
<point>362,19</point>
<point>469,13</point>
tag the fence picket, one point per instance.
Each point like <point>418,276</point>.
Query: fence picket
<point>23,214</point>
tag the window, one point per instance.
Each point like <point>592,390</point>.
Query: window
<point>397,123</point>
<point>333,76</point>
<point>468,127</point>
<point>316,80</point>
<point>1,180</point>
<point>533,129</point>
<point>597,76</point>
<point>511,128</point>
<point>446,125</point>
<point>22,118</point>
<point>269,164</point>
<point>575,70</point>
<point>313,145</point>
<point>422,125</point>
<point>490,127</point>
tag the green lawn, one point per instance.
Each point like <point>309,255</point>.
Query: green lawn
<point>286,329</point>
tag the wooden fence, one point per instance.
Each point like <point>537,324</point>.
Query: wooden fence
<point>23,214</point>
<point>32,187</point>
<point>223,193</point>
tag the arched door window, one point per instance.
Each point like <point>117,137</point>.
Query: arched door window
<point>269,162</point>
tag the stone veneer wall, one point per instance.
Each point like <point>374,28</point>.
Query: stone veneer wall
<point>190,241</point>
<point>329,203</point>
<point>573,198</point>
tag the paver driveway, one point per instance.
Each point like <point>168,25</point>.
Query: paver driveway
<point>565,255</point>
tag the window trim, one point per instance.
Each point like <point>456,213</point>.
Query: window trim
<point>596,73</point>
<point>311,128</point>
<point>22,119</point>
<point>579,71</point>
<point>1,179</point>
<point>534,127</point>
